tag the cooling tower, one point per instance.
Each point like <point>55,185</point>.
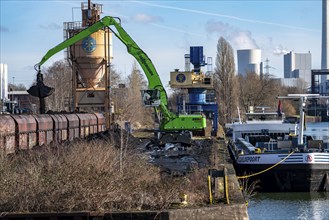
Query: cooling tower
<point>249,61</point>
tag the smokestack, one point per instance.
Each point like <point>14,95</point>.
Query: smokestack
<point>324,57</point>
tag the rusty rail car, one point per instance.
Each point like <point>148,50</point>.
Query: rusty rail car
<point>23,132</point>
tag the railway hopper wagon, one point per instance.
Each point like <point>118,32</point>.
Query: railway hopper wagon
<point>23,132</point>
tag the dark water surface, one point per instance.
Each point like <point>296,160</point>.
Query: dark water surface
<point>289,206</point>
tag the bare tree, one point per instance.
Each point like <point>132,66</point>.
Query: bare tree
<point>129,107</point>
<point>58,76</point>
<point>300,87</point>
<point>291,107</point>
<point>128,101</point>
<point>172,98</point>
<point>115,78</point>
<point>224,78</point>
<point>257,92</point>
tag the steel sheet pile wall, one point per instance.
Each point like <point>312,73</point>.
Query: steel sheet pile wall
<point>23,132</point>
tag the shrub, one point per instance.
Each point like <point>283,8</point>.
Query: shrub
<point>88,176</point>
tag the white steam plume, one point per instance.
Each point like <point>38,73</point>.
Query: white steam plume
<point>241,39</point>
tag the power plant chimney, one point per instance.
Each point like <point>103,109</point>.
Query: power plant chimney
<point>324,57</point>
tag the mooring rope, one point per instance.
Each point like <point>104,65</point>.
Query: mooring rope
<point>267,169</point>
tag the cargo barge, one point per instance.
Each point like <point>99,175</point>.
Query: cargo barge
<point>278,154</point>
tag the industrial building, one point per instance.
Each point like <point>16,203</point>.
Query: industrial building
<point>13,101</point>
<point>298,65</point>
<point>249,61</point>
<point>196,88</point>
<point>20,102</point>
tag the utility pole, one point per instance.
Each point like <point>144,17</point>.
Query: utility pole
<point>12,97</point>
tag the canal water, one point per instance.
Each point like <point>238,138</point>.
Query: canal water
<point>308,206</point>
<point>290,206</point>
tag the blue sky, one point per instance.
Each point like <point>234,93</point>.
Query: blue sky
<point>164,30</point>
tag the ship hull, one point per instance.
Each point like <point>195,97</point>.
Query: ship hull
<point>288,177</point>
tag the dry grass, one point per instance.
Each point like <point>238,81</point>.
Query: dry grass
<point>88,176</point>
<point>249,188</point>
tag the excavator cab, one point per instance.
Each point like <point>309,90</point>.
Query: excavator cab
<point>151,97</point>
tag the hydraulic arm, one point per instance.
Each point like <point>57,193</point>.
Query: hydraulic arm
<point>170,121</point>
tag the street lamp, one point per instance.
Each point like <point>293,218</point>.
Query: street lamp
<point>12,97</point>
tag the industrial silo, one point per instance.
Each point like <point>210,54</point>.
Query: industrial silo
<point>90,59</point>
<point>89,56</point>
<point>3,82</point>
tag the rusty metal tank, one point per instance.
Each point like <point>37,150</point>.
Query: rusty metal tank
<point>91,55</point>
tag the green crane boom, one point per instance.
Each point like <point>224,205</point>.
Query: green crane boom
<point>169,121</point>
